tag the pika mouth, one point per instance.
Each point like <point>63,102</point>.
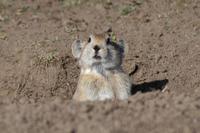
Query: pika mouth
<point>97,57</point>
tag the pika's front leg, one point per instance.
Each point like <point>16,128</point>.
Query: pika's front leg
<point>85,93</point>
<point>122,86</point>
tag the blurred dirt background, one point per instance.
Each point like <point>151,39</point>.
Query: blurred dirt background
<point>38,74</point>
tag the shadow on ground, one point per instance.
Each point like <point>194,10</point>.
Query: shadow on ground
<point>149,86</point>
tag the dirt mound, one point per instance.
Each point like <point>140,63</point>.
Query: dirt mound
<point>38,74</point>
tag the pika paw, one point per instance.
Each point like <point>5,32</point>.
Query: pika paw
<point>102,76</point>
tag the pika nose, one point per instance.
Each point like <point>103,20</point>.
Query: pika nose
<point>96,48</point>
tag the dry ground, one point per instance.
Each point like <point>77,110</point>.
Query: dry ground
<point>38,74</point>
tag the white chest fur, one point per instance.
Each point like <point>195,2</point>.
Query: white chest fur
<point>98,86</point>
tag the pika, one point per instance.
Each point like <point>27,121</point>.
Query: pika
<point>101,77</point>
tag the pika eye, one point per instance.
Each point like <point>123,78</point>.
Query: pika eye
<point>89,39</point>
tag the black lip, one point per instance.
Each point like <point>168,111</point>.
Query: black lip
<point>97,57</point>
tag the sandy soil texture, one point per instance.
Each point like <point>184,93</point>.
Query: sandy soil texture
<point>38,74</point>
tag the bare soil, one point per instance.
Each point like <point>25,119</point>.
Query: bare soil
<point>38,74</point>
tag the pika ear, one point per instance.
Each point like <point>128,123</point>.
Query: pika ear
<point>76,48</point>
<point>124,47</point>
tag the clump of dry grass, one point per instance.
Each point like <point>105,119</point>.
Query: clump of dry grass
<point>72,3</point>
<point>126,9</point>
<point>47,58</point>
<point>4,4</point>
<point>43,54</point>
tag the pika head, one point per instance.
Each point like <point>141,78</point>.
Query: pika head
<point>99,50</point>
